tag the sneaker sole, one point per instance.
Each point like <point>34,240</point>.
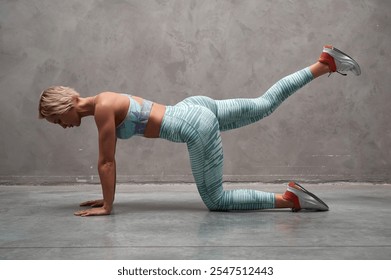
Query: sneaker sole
<point>310,194</point>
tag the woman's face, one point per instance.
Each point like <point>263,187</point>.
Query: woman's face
<point>68,119</point>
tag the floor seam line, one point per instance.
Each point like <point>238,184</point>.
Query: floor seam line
<point>190,246</point>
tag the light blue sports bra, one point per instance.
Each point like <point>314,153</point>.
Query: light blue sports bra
<point>136,120</point>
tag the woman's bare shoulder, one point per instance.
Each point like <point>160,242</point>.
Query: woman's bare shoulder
<point>111,104</point>
<point>107,98</point>
<point>107,95</point>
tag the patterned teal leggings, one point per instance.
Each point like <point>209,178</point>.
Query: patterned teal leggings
<point>198,121</point>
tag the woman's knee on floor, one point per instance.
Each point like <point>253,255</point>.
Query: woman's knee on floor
<point>215,206</point>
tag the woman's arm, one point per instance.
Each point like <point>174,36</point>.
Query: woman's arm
<point>105,121</point>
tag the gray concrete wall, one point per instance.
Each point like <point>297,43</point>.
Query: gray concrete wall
<point>336,128</point>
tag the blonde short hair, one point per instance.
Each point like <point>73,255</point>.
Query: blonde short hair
<point>56,100</point>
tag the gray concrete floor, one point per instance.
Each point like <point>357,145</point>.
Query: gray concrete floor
<point>170,222</point>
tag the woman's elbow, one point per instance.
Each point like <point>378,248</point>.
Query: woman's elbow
<point>106,164</point>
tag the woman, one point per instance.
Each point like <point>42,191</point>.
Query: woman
<point>196,121</point>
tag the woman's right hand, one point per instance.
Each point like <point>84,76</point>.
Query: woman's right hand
<point>93,203</point>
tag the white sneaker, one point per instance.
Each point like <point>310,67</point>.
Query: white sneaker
<point>339,61</point>
<point>303,199</point>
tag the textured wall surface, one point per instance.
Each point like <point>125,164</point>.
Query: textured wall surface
<point>336,128</point>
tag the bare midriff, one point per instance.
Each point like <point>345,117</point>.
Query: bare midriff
<point>152,130</point>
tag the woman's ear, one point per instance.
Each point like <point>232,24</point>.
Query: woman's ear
<point>75,100</point>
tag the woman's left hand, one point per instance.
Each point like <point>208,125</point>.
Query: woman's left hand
<point>101,211</point>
